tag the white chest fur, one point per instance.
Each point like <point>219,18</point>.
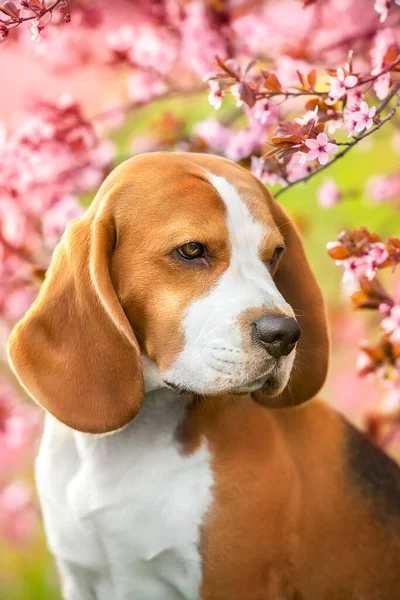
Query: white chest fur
<point>123,512</point>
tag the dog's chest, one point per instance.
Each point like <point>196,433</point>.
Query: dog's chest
<point>128,508</point>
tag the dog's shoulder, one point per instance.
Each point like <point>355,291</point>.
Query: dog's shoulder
<point>373,473</point>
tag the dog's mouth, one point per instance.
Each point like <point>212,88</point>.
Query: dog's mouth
<point>269,383</point>
<point>175,388</point>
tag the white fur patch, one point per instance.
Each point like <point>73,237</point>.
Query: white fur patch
<point>214,358</point>
<point>123,512</point>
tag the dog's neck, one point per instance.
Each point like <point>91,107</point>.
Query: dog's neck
<point>154,382</point>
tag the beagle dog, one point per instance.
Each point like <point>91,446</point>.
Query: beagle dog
<point>180,459</point>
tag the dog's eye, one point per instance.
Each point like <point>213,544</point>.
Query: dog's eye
<point>191,250</point>
<point>275,257</point>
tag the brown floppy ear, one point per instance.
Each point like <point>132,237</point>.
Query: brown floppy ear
<point>75,351</point>
<point>298,286</point>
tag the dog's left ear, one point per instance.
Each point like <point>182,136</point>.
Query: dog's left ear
<point>75,351</point>
<point>298,286</point>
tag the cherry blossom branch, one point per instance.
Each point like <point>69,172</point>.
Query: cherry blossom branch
<point>313,92</point>
<point>37,7</point>
<point>356,139</point>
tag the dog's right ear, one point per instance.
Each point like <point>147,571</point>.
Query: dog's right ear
<point>75,351</point>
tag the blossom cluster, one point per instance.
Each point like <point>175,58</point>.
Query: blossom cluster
<point>281,110</point>
<point>45,163</point>
<point>20,426</point>
<point>341,105</point>
<point>32,12</point>
<point>51,157</point>
<point>362,254</point>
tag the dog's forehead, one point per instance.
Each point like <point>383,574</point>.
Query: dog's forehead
<point>170,183</point>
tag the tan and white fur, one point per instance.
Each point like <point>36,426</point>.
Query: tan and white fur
<point>164,473</point>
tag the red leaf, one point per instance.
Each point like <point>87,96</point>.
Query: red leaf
<point>272,83</point>
<point>312,78</point>
<point>303,80</point>
<point>289,139</point>
<point>247,94</point>
<point>10,9</point>
<point>233,67</point>
<point>286,128</point>
<point>338,252</point>
<point>36,5</point>
<point>250,66</point>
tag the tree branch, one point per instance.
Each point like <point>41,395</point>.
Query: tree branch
<point>13,23</point>
<point>356,139</point>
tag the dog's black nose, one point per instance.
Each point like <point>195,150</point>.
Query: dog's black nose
<point>277,334</point>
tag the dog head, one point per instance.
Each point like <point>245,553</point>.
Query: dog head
<point>185,269</point>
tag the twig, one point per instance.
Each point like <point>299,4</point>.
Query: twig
<point>356,139</point>
<point>37,15</point>
<point>287,94</point>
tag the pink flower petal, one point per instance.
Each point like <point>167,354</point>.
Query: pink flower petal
<point>322,139</point>
<point>323,158</point>
<point>331,148</point>
<point>312,144</point>
<point>350,81</point>
<point>313,154</point>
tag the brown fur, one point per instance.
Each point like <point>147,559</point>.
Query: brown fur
<point>298,513</point>
<point>289,520</point>
<point>113,291</point>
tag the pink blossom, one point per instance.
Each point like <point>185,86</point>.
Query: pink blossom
<point>340,84</point>
<point>154,48</point>
<point>120,41</point>
<point>3,31</point>
<point>365,265</point>
<point>320,148</point>
<point>241,144</point>
<point>65,49</point>
<point>287,68</point>
<point>56,218</point>
<point>297,167</point>
<point>201,39</point>
<point>377,255</point>
<point>53,155</point>
<point>364,365</point>
<point>390,402</point>
<point>364,117</point>
<point>236,93</point>
<point>384,39</point>
<point>215,134</point>
<point>263,111</point>
<point>328,194</point>
<point>216,94</point>
<point>261,115</point>
<point>261,170</point>
<point>391,324</point>
<point>382,8</point>
<point>235,144</point>
<point>20,427</point>
<point>18,514</point>
<point>384,187</point>
<point>382,85</point>
<point>349,123</point>
<point>35,29</point>
<point>143,86</point>
<point>310,115</point>
<point>273,26</point>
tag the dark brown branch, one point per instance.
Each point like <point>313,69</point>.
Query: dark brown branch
<point>12,24</point>
<point>356,139</point>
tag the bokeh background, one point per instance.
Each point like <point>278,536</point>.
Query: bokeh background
<point>84,60</point>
